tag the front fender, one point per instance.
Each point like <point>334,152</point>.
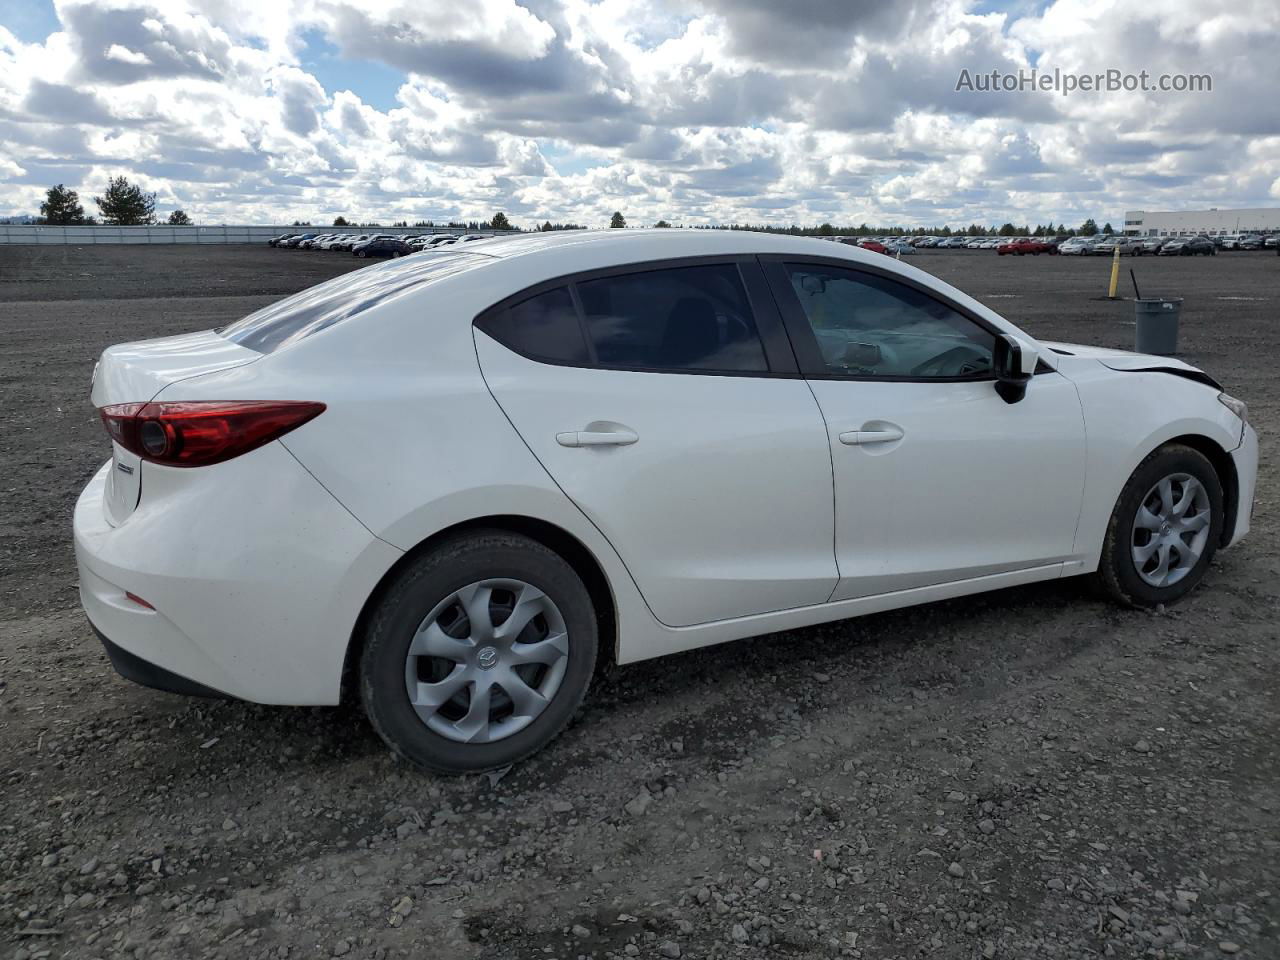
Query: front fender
<point>1128,415</point>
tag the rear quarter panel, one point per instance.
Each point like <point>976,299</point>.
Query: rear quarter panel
<point>412,442</point>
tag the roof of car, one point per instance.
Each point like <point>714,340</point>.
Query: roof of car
<point>662,243</point>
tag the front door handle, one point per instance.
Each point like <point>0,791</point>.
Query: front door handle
<point>857,438</point>
<point>597,438</point>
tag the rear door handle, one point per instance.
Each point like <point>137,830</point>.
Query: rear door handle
<point>597,438</point>
<point>857,438</point>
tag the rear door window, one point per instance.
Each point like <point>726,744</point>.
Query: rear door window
<point>543,327</point>
<point>678,319</point>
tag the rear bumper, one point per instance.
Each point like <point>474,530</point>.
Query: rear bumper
<point>149,675</point>
<point>1245,458</point>
<point>255,573</point>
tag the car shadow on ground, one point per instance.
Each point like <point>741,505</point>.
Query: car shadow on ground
<point>862,652</point>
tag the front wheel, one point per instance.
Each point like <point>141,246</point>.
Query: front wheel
<point>1164,529</point>
<point>478,654</point>
<point>361,254</point>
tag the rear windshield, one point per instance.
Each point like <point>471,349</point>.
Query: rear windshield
<point>318,307</point>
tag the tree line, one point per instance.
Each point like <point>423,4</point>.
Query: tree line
<point>499,221</point>
<point>126,204</point>
<point>122,204</point>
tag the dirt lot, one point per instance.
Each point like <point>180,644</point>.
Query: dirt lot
<point>1029,774</point>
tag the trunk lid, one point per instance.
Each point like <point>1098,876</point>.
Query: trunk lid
<point>136,373</point>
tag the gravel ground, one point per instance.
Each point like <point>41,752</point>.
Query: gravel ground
<point>1033,773</point>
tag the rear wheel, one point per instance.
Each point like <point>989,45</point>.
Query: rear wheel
<point>478,654</point>
<point>1164,529</point>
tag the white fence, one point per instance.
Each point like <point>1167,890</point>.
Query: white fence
<point>23,233</point>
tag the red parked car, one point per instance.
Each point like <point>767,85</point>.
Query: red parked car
<point>875,246</point>
<point>1025,245</point>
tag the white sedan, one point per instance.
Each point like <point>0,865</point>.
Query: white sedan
<point>459,479</point>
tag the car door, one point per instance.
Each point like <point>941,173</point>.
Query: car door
<point>937,479</point>
<point>664,400</point>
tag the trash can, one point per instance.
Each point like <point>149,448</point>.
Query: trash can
<point>1157,319</point>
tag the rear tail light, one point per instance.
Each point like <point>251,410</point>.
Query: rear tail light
<point>197,434</point>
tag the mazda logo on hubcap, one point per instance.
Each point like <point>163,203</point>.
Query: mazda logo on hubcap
<point>487,657</point>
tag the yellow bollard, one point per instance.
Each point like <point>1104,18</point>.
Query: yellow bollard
<point>1115,274</point>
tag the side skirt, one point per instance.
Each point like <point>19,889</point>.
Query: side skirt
<point>666,640</point>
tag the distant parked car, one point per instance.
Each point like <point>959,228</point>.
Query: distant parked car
<point>431,243</point>
<point>275,241</point>
<point>293,242</point>
<point>898,248</point>
<point>1026,245</point>
<point>315,242</point>
<point>1127,246</point>
<point>1188,246</point>
<point>349,241</point>
<point>875,246</point>
<point>382,247</point>
<point>1251,243</point>
<point>1152,244</point>
<point>1076,246</point>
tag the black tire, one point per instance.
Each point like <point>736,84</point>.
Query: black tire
<point>416,590</point>
<point>1117,573</point>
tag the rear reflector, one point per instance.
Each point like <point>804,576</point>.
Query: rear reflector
<point>138,600</point>
<point>197,434</point>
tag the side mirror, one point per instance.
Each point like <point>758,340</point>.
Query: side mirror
<point>1014,362</point>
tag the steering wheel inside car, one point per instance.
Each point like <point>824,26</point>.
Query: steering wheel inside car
<point>957,362</point>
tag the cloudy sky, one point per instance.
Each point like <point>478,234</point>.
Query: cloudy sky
<point>697,111</point>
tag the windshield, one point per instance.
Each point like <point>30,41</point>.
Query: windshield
<point>314,309</point>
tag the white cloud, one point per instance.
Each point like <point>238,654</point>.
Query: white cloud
<point>726,110</point>
<point>125,55</point>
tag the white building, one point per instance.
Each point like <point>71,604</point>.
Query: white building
<point>1212,222</point>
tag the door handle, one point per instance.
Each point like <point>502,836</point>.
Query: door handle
<point>597,438</point>
<point>857,438</point>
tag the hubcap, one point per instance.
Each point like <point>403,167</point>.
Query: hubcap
<point>487,660</point>
<point>1171,529</point>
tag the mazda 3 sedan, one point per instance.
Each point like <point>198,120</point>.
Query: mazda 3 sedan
<point>450,483</point>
